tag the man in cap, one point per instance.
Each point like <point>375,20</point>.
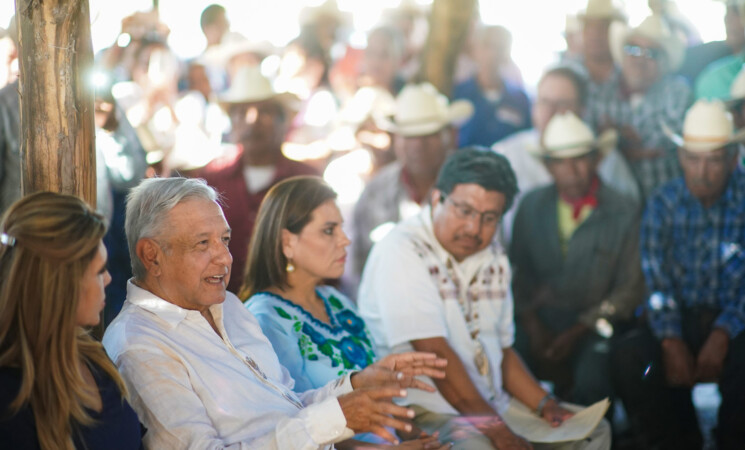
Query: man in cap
<point>259,117</point>
<point>439,281</point>
<point>423,135</point>
<point>645,94</point>
<point>576,260</point>
<point>500,108</point>
<point>693,258</point>
<point>561,89</point>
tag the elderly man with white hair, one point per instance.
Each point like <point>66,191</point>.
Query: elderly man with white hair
<point>199,371</point>
<point>693,259</point>
<point>645,93</point>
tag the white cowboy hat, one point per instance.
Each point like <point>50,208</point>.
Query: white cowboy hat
<point>602,9</point>
<point>420,110</point>
<point>567,136</point>
<point>707,126</point>
<point>250,86</point>
<point>655,29</point>
<point>234,44</point>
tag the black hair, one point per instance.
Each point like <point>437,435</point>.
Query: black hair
<point>482,166</point>
<point>210,14</point>
<point>577,78</point>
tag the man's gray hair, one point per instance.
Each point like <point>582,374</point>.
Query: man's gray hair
<point>148,205</point>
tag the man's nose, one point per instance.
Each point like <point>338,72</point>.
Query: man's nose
<point>252,115</point>
<point>223,256</point>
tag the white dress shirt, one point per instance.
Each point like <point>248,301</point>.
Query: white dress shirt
<point>410,290</point>
<point>193,389</point>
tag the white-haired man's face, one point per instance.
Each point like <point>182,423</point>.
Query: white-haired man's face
<point>191,263</point>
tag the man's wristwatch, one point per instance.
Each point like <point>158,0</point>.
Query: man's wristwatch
<point>542,403</point>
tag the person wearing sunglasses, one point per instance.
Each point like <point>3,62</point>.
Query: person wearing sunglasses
<point>645,93</point>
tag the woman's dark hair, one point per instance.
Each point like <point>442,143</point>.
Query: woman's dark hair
<point>289,205</point>
<point>478,165</point>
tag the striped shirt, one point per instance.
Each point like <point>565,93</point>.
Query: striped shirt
<point>694,256</point>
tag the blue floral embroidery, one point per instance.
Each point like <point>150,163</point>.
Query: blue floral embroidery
<point>353,353</point>
<point>351,323</point>
<point>314,335</point>
<point>349,352</point>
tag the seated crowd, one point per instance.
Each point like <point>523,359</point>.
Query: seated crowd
<point>329,257</point>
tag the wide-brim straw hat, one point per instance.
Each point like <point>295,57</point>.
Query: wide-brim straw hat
<point>421,110</point>
<point>234,44</point>
<point>567,136</point>
<point>707,126</point>
<point>250,86</point>
<point>602,9</point>
<point>327,10</point>
<point>655,29</point>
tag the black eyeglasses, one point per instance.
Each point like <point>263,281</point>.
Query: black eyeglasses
<point>652,54</point>
<point>465,211</point>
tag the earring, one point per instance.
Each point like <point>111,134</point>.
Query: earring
<point>290,267</point>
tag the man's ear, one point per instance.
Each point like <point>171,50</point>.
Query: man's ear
<point>289,240</point>
<point>150,255</point>
<point>435,197</point>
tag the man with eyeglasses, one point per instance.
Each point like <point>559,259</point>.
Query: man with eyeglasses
<point>576,261</point>
<point>643,95</point>
<point>440,281</point>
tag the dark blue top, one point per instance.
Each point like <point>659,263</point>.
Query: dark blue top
<point>117,426</point>
<point>492,120</point>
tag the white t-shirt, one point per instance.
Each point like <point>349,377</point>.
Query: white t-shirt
<point>408,292</point>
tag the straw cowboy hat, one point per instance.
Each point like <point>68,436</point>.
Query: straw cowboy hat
<point>655,29</point>
<point>707,126</point>
<point>420,110</point>
<point>567,136</point>
<point>602,9</point>
<point>234,44</point>
<point>250,86</point>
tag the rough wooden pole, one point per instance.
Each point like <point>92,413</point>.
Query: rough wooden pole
<point>57,132</point>
<point>448,30</point>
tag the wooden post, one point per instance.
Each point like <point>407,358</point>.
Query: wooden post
<point>57,131</point>
<point>449,25</point>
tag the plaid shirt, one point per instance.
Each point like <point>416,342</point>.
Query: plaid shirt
<point>693,256</point>
<point>666,101</point>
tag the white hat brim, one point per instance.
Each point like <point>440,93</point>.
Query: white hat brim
<point>288,100</point>
<point>702,146</point>
<point>458,112</point>
<point>603,143</point>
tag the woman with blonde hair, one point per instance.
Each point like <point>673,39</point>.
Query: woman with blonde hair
<point>58,389</point>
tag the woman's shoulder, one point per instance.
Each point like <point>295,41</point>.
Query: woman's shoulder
<point>10,383</point>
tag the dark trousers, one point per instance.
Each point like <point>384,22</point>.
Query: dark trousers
<point>584,377</point>
<point>664,417</point>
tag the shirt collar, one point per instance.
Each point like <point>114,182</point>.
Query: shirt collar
<point>173,315</point>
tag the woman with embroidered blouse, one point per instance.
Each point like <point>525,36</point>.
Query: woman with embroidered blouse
<point>314,329</point>
<point>297,243</point>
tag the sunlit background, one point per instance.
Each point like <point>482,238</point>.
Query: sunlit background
<point>537,25</point>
